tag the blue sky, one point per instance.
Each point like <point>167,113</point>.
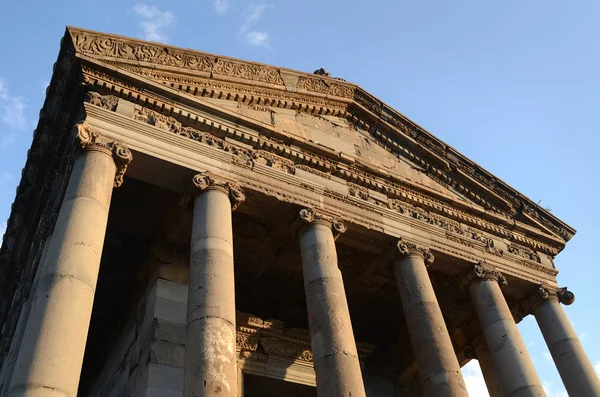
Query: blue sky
<point>513,85</point>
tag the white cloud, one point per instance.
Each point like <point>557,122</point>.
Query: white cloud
<point>252,15</point>
<point>221,6</point>
<point>597,368</point>
<point>258,39</point>
<point>474,379</point>
<point>548,356</point>
<point>153,21</point>
<point>250,19</point>
<point>3,89</point>
<point>12,114</point>
<point>550,392</point>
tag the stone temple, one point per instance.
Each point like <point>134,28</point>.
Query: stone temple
<point>193,225</point>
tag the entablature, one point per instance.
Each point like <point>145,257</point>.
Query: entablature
<point>258,164</point>
<point>195,74</point>
<point>265,143</point>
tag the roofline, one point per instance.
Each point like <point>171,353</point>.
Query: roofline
<point>71,29</point>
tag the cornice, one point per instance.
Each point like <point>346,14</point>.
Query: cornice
<point>400,197</point>
<point>191,150</point>
<point>333,96</point>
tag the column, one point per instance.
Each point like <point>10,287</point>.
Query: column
<point>487,367</point>
<point>515,369</point>
<point>51,353</point>
<point>240,380</point>
<point>210,355</point>
<point>334,350</point>
<point>439,371</point>
<point>573,365</point>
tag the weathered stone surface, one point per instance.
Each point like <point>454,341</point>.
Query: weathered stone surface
<point>291,140</point>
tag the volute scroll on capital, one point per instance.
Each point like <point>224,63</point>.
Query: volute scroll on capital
<point>307,216</point>
<point>407,249</point>
<point>544,293</point>
<point>120,153</point>
<point>483,273</point>
<point>205,180</point>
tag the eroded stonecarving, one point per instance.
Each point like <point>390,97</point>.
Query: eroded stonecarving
<point>121,48</point>
<point>89,139</point>
<point>265,156</point>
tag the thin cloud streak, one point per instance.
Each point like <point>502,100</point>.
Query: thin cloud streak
<point>250,19</point>
<point>12,114</point>
<point>221,6</point>
<point>153,22</point>
<point>258,39</point>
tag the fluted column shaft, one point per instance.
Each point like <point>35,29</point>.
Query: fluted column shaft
<point>210,355</point>
<point>334,351</point>
<point>487,367</point>
<point>53,345</point>
<point>574,367</point>
<point>438,367</point>
<point>509,355</point>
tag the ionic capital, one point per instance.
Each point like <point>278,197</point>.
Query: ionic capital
<point>120,153</point>
<point>407,249</point>
<point>483,273</point>
<point>542,294</point>
<point>308,216</point>
<point>205,181</point>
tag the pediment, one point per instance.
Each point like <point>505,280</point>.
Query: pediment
<point>339,119</point>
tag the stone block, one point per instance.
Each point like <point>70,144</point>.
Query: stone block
<point>170,310</point>
<point>171,290</point>
<point>334,184</point>
<point>291,126</point>
<point>332,142</point>
<point>167,353</point>
<point>170,332</point>
<point>173,272</point>
<point>165,378</point>
<point>126,108</point>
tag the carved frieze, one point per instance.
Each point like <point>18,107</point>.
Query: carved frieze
<point>435,161</point>
<point>524,252</point>
<point>274,161</point>
<point>117,47</point>
<point>247,71</point>
<point>256,339</point>
<point>402,199</point>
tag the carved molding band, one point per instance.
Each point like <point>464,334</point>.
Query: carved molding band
<point>204,181</point>
<point>483,273</point>
<point>398,198</point>
<point>91,140</point>
<point>406,249</point>
<point>309,216</point>
<point>221,76</point>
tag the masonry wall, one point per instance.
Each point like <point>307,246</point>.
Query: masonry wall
<point>148,359</point>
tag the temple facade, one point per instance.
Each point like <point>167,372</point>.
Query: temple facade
<point>194,225</point>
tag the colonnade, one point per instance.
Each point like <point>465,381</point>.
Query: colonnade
<point>51,353</point>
